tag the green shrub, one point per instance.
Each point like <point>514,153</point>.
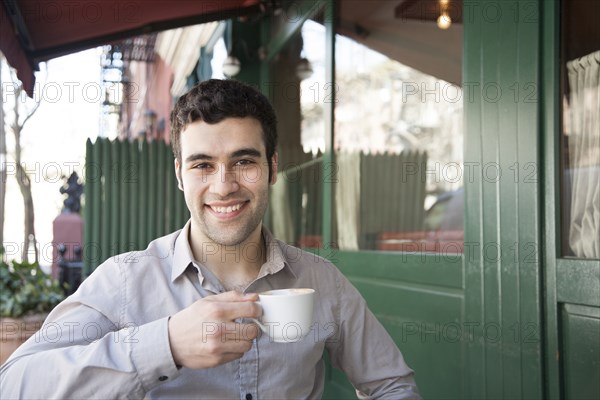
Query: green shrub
<point>26,289</point>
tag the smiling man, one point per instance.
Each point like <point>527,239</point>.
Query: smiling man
<point>172,321</point>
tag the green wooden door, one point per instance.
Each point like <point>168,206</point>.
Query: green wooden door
<point>572,284</point>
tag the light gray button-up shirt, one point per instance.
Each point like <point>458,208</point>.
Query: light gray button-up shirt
<point>110,339</point>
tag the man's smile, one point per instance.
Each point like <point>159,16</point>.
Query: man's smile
<point>229,210</point>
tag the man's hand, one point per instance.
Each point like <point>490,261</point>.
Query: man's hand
<point>205,335</point>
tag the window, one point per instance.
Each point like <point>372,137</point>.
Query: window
<point>398,143</point>
<point>298,74</point>
<point>398,138</point>
<point>580,138</point>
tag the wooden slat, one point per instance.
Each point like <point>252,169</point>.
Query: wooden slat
<point>88,193</point>
<point>114,194</point>
<point>153,174</point>
<point>161,170</point>
<point>124,195</point>
<point>107,188</point>
<point>94,178</point>
<point>134,156</point>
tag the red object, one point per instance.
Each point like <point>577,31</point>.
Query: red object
<point>67,229</point>
<point>310,241</point>
<point>422,241</point>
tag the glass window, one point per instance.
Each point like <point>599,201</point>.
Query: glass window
<point>298,78</point>
<point>580,138</point>
<point>399,147</point>
<point>398,136</point>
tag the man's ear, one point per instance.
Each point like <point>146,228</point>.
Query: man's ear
<point>178,175</point>
<point>274,162</point>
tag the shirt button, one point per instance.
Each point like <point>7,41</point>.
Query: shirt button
<point>163,378</point>
<point>248,396</point>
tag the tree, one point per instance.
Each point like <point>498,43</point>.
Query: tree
<point>22,111</point>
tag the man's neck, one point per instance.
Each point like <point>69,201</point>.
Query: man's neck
<point>236,266</point>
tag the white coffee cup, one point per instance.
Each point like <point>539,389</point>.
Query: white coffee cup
<point>287,314</point>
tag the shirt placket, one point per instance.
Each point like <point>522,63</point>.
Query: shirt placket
<point>249,374</point>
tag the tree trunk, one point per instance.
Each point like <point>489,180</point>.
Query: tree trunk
<point>24,183</point>
<point>29,238</point>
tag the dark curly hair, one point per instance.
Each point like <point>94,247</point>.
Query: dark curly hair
<point>214,100</point>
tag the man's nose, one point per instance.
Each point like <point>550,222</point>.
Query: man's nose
<point>224,183</point>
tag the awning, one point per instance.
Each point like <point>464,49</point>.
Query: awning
<point>32,31</point>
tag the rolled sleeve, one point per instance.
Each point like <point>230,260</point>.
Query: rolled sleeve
<point>151,353</point>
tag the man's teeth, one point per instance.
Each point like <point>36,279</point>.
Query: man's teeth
<point>227,209</point>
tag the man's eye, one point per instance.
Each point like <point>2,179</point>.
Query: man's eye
<point>245,162</point>
<point>203,166</point>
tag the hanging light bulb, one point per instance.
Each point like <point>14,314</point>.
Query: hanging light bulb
<point>444,21</point>
<point>231,66</point>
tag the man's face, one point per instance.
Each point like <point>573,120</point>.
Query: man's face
<point>225,179</point>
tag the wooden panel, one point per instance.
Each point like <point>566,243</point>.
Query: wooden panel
<point>94,177</point>
<point>151,232</point>
<point>172,193</point>
<point>88,193</point>
<point>107,189</point>
<point>141,206</point>
<point>113,195</point>
<point>131,198</point>
<point>581,352</point>
<point>125,192</point>
<point>163,169</point>
<point>550,98</point>
<point>134,159</point>
<point>426,325</point>
<point>419,300</point>
<point>502,274</point>
<point>441,270</point>
<point>578,281</point>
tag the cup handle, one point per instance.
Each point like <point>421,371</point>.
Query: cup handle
<point>257,322</point>
<point>260,324</point>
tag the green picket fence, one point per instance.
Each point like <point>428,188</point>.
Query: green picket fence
<point>131,198</point>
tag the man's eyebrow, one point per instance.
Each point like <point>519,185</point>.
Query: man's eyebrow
<point>198,156</point>
<point>246,152</point>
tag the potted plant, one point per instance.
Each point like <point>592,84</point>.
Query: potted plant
<point>27,294</point>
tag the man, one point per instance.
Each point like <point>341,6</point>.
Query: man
<point>172,321</point>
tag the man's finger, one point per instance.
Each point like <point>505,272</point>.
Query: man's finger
<point>227,311</point>
<point>236,332</point>
<point>233,296</point>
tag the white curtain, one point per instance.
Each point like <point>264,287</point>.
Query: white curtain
<point>347,200</point>
<point>583,119</point>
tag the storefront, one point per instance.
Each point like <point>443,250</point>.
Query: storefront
<point>452,175</point>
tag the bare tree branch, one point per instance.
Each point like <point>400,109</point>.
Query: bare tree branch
<point>23,179</point>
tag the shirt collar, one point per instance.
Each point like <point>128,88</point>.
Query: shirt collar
<point>276,260</point>
<point>182,254</point>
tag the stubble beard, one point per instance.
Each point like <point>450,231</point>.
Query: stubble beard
<point>235,235</point>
